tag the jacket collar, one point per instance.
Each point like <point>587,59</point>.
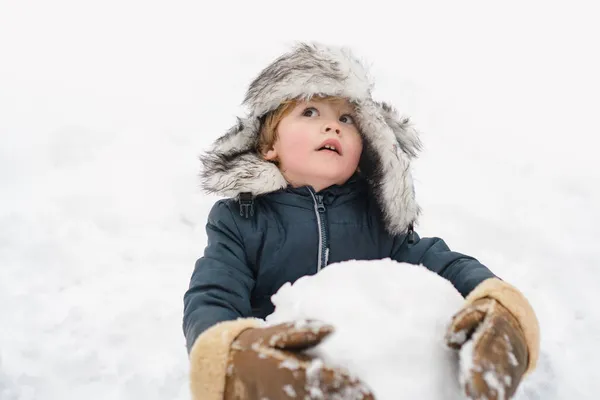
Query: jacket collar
<point>354,185</point>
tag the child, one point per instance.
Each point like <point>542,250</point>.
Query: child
<point>319,173</point>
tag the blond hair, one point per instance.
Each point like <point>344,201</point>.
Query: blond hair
<point>268,130</point>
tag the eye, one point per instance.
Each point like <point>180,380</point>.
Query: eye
<point>347,119</point>
<point>310,112</point>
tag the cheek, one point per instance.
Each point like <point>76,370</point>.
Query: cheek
<point>293,141</point>
<point>356,148</point>
<point>297,142</point>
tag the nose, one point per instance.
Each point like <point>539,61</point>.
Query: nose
<point>332,127</point>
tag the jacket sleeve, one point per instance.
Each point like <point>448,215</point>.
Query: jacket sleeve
<point>222,280</point>
<point>464,272</point>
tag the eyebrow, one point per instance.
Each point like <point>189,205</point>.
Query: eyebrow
<point>344,110</point>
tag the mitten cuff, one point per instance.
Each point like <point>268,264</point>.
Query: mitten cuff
<point>515,302</point>
<point>209,356</point>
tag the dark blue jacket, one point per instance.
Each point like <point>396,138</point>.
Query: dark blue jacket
<point>292,233</point>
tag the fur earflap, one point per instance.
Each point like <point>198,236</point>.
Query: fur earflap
<point>233,165</point>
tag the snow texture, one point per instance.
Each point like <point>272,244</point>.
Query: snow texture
<point>390,319</point>
<point>105,107</point>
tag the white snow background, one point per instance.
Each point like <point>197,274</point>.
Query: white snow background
<point>105,106</point>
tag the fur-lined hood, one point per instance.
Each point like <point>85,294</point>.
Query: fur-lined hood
<point>233,166</point>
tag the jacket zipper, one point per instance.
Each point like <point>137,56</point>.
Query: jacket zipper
<point>320,212</point>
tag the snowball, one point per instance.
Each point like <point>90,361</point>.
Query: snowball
<point>390,319</point>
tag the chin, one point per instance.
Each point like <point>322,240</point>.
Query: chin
<point>336,179</point>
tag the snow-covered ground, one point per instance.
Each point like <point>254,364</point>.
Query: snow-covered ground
<point>105,106</point>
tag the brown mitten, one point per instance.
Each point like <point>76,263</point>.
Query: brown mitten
<point>267,363</point>
<point>493,367</point>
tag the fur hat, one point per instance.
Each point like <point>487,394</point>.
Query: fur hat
<point>233,166</point>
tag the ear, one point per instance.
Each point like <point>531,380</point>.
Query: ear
<point>271,154</point>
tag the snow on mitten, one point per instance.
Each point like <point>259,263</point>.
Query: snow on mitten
<point>494,354</point>
<point>268,363</point>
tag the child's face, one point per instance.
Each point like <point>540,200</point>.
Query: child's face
<point>301,137</point>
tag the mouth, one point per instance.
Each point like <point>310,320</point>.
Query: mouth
<point>332,145</point>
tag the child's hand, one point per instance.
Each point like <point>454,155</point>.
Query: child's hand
<point>496,359</point>
<point>268,363</point>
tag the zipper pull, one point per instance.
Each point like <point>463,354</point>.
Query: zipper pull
<point>320,205</point>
